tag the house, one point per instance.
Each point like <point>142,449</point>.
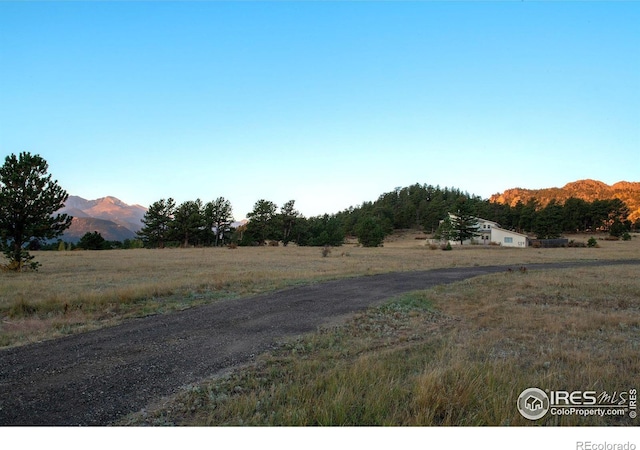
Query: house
<point>533,403</point>
<point>489,232</point>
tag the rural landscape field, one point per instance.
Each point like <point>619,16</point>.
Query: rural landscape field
<point>458,354</point>
<point>320,213</point>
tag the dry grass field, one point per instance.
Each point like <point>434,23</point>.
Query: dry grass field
<point>82,290</point>
<point>458,354</point>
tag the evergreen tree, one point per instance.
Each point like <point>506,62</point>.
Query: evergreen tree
<point>370,232</point>
<point>28,200</point>
<point>617,228</point>
<point>618,211</point>
<point>548,222</point>
<point>465,225</point>
<point>157,221</point>
<point>320,231</point>
<point>574,215</point>
<point>262,222</point>
<point>445,231</point>
<point>188,222</point>
<point>288,218</point>
<point>217,216</point>
<point>93,241</point>
<point>528,214</point>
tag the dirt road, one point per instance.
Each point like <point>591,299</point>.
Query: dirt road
<point>97,377</point>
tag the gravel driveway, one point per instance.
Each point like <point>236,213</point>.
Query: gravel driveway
<point>97,377</point>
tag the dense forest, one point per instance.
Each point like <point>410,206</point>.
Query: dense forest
<point>420,206</point>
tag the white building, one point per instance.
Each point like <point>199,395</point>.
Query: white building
<point>489,232</point>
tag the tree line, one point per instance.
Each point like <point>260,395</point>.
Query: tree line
<point>193,223</point>
<point>89,241</point>
<point>420,206</point>
<point>30,199</point>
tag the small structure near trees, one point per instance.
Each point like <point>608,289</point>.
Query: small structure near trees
<point>475,230</point>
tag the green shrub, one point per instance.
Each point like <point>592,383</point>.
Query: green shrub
<point>592,242</point>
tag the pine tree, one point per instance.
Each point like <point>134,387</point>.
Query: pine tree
<point>93,241</point>
<point>262,222</point>
<point>445,231</point>
<point>465,227</point>
<point>548,221</point>
<point>370,232</point>
<point>288,217</point>
<point>157,221</point>
<point>28,200</point>
<point>217,216</point>
<point>188,222</point>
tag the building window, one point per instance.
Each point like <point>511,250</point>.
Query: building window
<point>508,240</point>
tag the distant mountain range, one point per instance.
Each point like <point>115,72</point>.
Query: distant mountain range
<point>109,216</point>
<point>588,190</point>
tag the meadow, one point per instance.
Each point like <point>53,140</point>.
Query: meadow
<point>458,354</point>
<point>75,291</point>
<point>454,355</point>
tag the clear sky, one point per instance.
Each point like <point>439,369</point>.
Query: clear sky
<point>327,103</point>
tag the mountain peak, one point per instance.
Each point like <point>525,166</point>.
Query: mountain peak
<point>110,199</point>
<point>586,183</point>
<point>109,212</point>
<point>587,189</point>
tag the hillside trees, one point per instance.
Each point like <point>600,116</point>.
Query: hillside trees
<point>420,206</point>
<point>322,231</point>
<point>425,206</point>
<point>575,215</point>
<point>547,223</point>
<point>28,200</point>
<point>618,212</point>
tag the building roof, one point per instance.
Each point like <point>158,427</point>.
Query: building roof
<point>495,225</point>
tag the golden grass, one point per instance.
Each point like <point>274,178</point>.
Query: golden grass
<point>458,354</point>
<point>80,290</point>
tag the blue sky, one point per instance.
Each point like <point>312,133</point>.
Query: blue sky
<point>327,103</point>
